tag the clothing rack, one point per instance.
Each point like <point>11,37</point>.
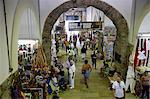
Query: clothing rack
<point>144,36</point>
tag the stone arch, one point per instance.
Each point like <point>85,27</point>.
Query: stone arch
<point>22,5</point>
<point>119,21</point>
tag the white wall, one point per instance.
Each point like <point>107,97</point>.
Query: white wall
<point>89,12</point>
<point>108,22</point>
<point>4,64</point>
<point>47,6</point>
<point>14,10</point>
<point>27,28</point>
<point>93,14</point>
<point>10,11</point>
<point>145,25</point>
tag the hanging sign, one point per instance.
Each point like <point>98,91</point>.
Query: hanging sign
<point>76,26</point>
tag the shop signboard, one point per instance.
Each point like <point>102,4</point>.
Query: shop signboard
<point>77,26</point>
<point>72,17</point>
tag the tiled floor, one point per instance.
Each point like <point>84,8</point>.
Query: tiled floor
<point>98,85</point>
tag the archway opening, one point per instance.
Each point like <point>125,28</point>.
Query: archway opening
<point>83,26</point>
<point>121,43</point>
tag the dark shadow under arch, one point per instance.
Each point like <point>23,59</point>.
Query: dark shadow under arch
<point>119,21</point>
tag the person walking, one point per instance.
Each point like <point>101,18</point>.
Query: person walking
<point>72,74</point>
<point>93,57</point>
<point>86,69</point>
<point>83,52</point>
<point>67,45</point>
<point>118,89</point>
<point>71,53</point>
<point>68,65</point>
<point>75,53</point>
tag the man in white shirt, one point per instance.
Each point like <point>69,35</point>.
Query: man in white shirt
<point>71,74</point>
<point>130,78</point>
<point>118,89</point>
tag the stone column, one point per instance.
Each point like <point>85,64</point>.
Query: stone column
<point>100,42</point>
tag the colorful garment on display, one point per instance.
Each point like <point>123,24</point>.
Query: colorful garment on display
<point>140,55</point>
<point>148,44</point>
<point>147,62</point>
<point>136,54</point>
<point>148,51</point>
<point>145,49</point>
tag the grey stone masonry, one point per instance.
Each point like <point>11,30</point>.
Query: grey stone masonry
<point>5,91</point>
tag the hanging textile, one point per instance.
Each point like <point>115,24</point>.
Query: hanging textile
<point>141,53</point>
<point>136,53</point>
<point>148,51</point>
<point>142,47</point>
<point>145,52</point>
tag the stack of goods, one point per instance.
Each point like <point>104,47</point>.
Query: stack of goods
<point>40,60</point>
<point>142,69</point>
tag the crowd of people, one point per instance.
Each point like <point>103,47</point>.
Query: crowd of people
<point>138,86</point>
<point>52,80</point>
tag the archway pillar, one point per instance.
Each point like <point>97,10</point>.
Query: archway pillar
<point>46,44</point>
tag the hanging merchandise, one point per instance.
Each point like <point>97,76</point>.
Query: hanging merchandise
<point>148,44</point>
<point>40,59</point>
<point>144,61</point>
<point>142,50</point>
<point>20,47</point>
<point>148,51</point>
<point>141,55</point>
<point>109,38</point>
<point>136,53</point>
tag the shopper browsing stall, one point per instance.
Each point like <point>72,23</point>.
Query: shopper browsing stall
<point>93,57</point>
<point>83,52</point>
